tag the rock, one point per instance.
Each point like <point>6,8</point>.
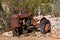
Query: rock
<point>0,26</point>
<point>38,34</point>
<point>48,34</point>
<point>8,34</point>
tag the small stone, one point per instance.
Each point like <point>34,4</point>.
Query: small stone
<point>48,34</point>
<point>7,33</point>
<point>38,34</point>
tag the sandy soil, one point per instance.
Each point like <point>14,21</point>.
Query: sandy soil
<point>36,36</point>
<point>26,38</point>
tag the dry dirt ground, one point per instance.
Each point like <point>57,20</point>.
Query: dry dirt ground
<point>36,36</point>
<point>26,38</point>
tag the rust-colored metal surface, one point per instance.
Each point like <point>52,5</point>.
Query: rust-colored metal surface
<point>14,21</point>
<point>33,22</point>
<point>24,15</point>
<point>47,27</point>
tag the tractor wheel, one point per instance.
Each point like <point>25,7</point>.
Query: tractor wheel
<point>45,26</point>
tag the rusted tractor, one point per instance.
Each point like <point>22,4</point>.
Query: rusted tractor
<point>25,21</point>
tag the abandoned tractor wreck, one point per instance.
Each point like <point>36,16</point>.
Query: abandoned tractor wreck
<point>26,22</point>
